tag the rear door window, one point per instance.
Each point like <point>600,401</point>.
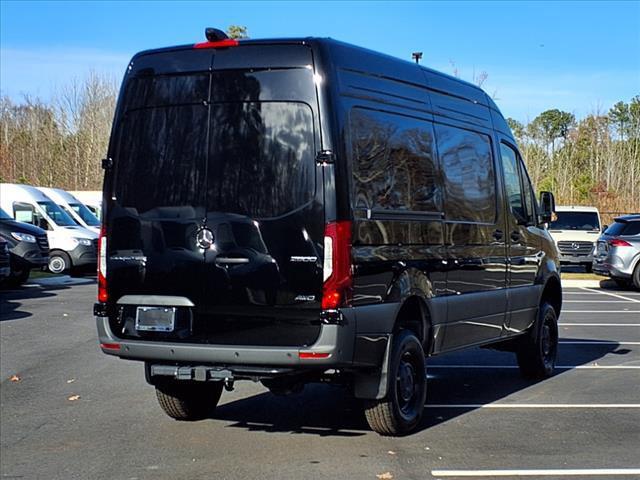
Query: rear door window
<point>261,158</point>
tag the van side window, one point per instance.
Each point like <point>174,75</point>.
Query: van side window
<point>529,195</point>
<point>513,189</point>
<point>469,179</point>
<point>24,212</point>
<point>394,166</point>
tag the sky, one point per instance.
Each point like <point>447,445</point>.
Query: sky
<point>581,57</point>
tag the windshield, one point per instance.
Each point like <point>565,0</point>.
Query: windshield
<point>85,214</point>
<point>575,221</point>
<point>253,158</point>
<point>59,216</point>
<point>4,215</point>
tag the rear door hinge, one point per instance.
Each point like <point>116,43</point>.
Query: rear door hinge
<point>107,163</point>
<point>325,156</point>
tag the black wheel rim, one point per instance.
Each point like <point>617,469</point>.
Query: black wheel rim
<point>409,385</point>
<point>549,342</point>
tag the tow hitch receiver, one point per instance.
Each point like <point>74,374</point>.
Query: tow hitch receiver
<point>198,374</point>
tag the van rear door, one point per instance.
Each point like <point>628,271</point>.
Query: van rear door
<point>217,197</point>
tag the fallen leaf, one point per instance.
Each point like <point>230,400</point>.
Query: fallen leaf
<point>15,378</point>
<point>73,398</point>
<point>71,380</point>
<point>391,452</point>
<point>385,476</point>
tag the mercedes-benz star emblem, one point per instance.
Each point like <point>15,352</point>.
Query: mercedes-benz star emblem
<point>575,246</point>
<point>204,238</point>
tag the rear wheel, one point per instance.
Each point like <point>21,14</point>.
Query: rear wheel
<point>538,350</point>
<point>401,410</point>
<point>621,282</point>
<point>188,401</point>
<point>59,262</point>
<point>636,277</point>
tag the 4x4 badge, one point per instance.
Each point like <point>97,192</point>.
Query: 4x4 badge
<point>204,238</point>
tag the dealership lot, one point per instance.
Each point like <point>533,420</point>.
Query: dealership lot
<point>76,413</point>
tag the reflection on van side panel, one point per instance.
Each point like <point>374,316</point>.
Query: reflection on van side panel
<point>280,208</point>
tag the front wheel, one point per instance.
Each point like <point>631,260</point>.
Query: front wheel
<point>400,411</point>
<point>538,350</point>
<point>636,277</point>
<point>18,277</point>
<point>188,401</point>
<point>59,262</point>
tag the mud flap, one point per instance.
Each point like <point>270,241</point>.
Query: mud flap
<point>373,385</point>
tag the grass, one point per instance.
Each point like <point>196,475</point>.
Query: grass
<point>41,274</point>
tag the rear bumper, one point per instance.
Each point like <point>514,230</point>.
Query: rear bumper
<point>334,347</point>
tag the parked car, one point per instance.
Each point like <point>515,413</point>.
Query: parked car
<point>575,231</point>
<point>306,210</point>
<point>28,248</point>
<point>618,251</point>
<point>5,269</point>
<point>72,247</point>
<point>73,207</point>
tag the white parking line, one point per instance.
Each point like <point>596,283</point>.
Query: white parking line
<point>532,405</point>
<point>596,342</point>
<point>637,312</point>
<point>571,324</point>
<point>612,295</point>
<point>537,472</point>
<point>558,367</point>
<point>596,301</point>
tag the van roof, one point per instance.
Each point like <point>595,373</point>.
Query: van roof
<point>11,189</point>
<point>328,41</point>
<point>575,208</point>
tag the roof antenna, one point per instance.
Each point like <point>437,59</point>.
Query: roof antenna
<point>417,56</point>
<point>215,35</point>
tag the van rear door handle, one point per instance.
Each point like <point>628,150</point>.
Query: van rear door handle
<point>498,234</point>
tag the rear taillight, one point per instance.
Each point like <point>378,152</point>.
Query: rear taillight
<point>102,266</point>
<point>616,242</point>
<point>337,271</point>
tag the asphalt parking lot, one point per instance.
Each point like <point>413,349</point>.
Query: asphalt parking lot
<point>69,412</point>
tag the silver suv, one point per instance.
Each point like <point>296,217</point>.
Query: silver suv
<point>618,251</point>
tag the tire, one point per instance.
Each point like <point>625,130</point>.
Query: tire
<point>17,278</point>
<point>188,401</point>
<point>636,277</point>
<point>59,262</point>
<point>621,282</point>
<point>588,267</point>
<point>400,411</point>
<point>538,350</point>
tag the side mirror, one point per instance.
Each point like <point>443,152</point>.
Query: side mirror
<point>604,227</point>
<point>547,206</point>
<point>43,224</point>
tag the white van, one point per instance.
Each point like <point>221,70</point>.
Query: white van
<point>71,245</point>
<point>576,230</point>
<point>74,208</point>
<point>92,199</point>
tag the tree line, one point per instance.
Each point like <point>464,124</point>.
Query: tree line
<point>592,161</point>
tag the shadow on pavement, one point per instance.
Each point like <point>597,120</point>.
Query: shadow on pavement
<point>12,299</point>
<point>327,410</point>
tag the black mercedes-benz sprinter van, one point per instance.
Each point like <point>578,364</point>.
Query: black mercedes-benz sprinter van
<point>301,210</point>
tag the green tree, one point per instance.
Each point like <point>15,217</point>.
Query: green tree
<point>634,117</point>
<point>237,31</point>
<point>551,125</point>
<point>620,116</point>
<point>517,128</point>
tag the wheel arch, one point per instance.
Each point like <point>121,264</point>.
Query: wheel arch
<point>552,293</point>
